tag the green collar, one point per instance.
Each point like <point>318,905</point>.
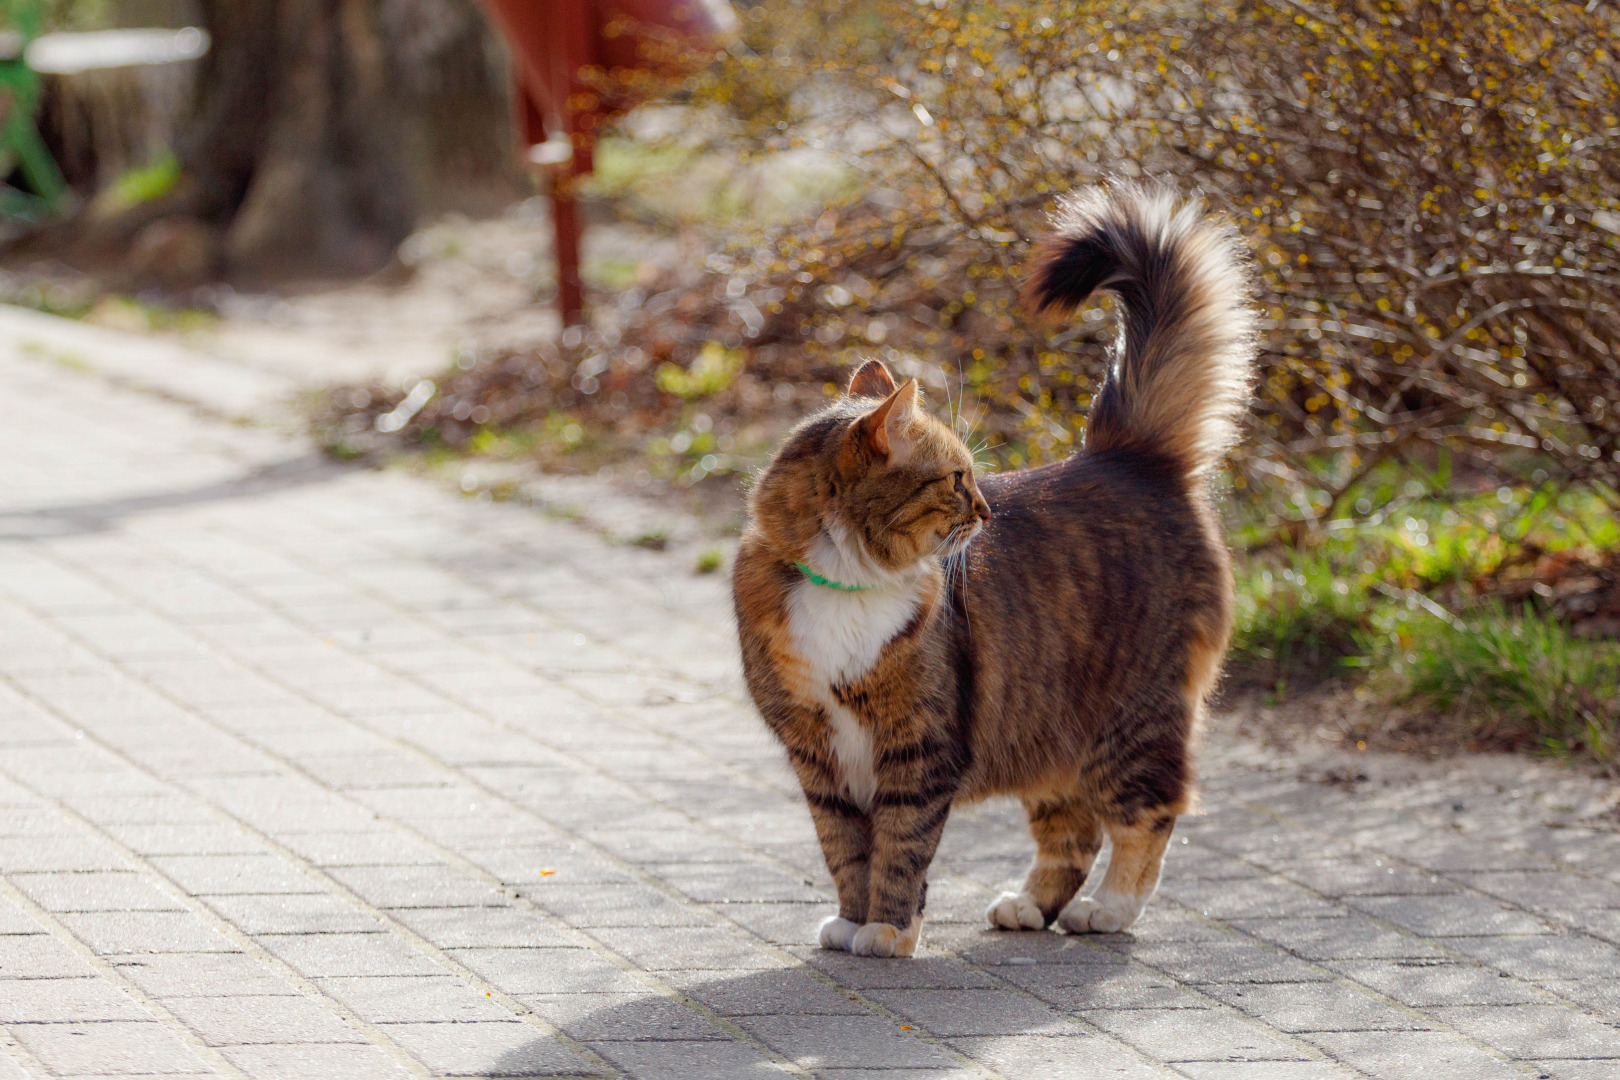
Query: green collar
<point>817,579</point>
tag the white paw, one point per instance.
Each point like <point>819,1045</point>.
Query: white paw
<point>881,939</point>
<point>838,933</point>
<point>1015,911</point>
<point>1104,913</point>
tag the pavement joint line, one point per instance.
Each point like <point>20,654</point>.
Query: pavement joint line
<point>916,1030</point>
<point>318,876</point>
<point>25,1060</point>
<point>108,971</point>
<point>417,941</point>
<point>1309,1051</point>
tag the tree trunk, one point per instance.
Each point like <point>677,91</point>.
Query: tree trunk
<point>318,138</point>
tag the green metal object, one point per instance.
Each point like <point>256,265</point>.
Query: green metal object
<point>21,148</point>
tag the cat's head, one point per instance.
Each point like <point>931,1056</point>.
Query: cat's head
<point>871,485</point>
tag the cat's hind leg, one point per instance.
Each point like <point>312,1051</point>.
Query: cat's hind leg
<point>1067,836</point>
<point>1134,860</point>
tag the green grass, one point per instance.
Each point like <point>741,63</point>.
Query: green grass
<point>1399,593</point>
<point>709,560</point>
<point>1521,676</point>
<point>1299,620</point>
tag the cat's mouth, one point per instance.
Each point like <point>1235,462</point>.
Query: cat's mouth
<point>959,537</point>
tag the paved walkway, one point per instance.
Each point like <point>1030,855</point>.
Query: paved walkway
<point>310,771</point>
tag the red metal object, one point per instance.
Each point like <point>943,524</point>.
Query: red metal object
<point>557,45</point>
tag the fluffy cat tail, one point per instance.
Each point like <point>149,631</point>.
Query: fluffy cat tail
<point>1181,372</point>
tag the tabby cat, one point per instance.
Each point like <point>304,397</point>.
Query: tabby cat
<point>917,636</point>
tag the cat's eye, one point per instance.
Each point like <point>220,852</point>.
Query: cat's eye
<point>958,474</point>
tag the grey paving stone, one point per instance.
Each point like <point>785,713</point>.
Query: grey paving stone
<point>672,948</point>
<point>765,993</point>
<point>666,1060</point>
<point>1071,987</point>
<point>1264,1070</point>
<point>221,875</point>
<point>547,971</point>
<point>418,886</point>
<point>405,999</point>
<point>613,905</point>
<point>1364,877</point>
<point>484,927</point>
<point>1322,1006</point>
<point>823,1042</point>
<point>38,956</point>
<point>111,933</point>
<point>1251,898</point>
<point>56,855</point>
<point>304,1061</point>
<point>1195,1035</point>
<point>1534,1031</point>
<point>324,955</point>
<point>1580,1070</point>
<point>1224,962</point>
<point>963,1073</point>
<point>952,1013</point>
<point>736,882</point>
<point>207,838</point>
<point>31,1001</point>
<point>1351,938</point>
<point>200,975</point>
<point>95,892</point>
<point>1421,984</point>
<point>617,1017</point>
<point>1449,916</point>
<point>483,1048</point>
<point>293,913</point>
<point>1601,995</point>
<point>1561,956</point>
<point>228,1021</point>
<point>1401,1055</point>
<point>114,1048</point>
<point>779,924</point>
<point>14,920</point>
<point>1060,1058</point>
<point>359,849</point>
<point>993,948</point>
<point>1548,891</point>
<point>862,973</point>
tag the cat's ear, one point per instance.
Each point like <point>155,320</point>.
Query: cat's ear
<point>872,379</point>
<point>887,428</point>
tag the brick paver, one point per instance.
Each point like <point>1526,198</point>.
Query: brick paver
<point>309,770</point>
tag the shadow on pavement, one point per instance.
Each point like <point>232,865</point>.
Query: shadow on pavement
<point>820,1024</point>
<point>74,519</point>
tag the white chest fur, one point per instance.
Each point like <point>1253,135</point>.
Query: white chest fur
<point>840,635</point>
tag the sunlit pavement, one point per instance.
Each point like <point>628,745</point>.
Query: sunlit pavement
<point>316,771</point>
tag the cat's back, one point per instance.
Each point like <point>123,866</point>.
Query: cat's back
<point>1126,505</point>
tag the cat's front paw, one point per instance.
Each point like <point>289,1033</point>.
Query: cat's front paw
<point>1104,913</point>
<point>1015,911</point>
<point>881,939</point>
<point>838,933</point>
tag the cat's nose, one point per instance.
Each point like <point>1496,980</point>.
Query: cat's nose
<point>981,508</point>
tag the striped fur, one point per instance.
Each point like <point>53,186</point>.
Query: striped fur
<point>1050,633</point>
